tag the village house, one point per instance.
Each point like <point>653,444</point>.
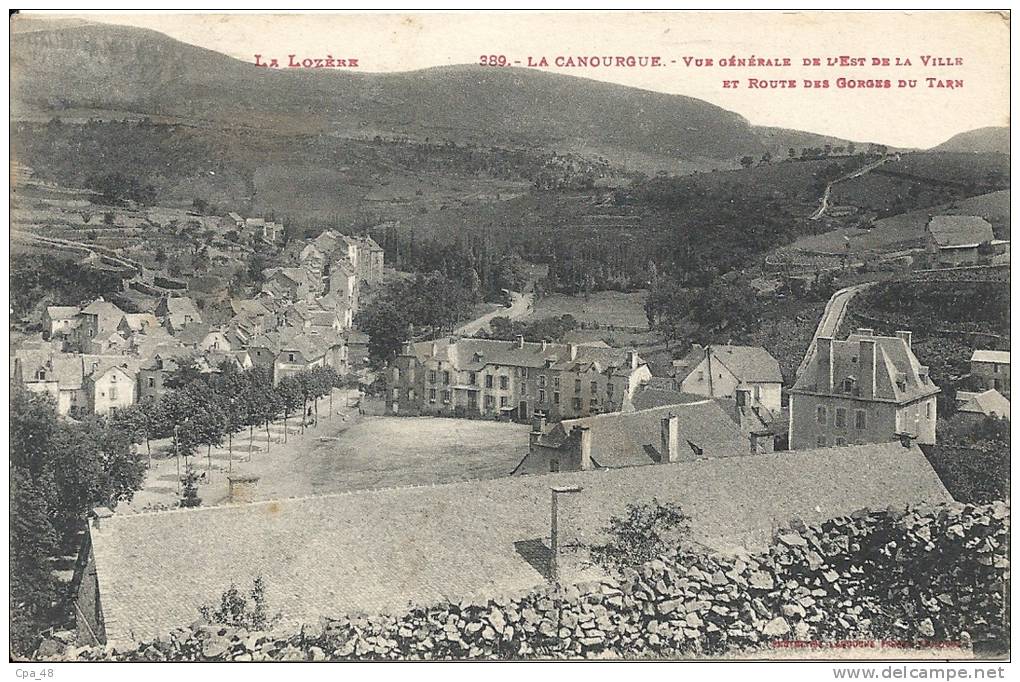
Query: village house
<point>990,369</point>
<point>357,348</point>
<point>469,540</point>
<point>288,351</point>
<point>962,240</point>
<point>59,320</point>
<point>976,406</point>
<point>138,323</point>
<point>96,323</point>
<point>660,435</point>
<point>511,379</point>
<point>867,389</point>
<point>203,337</point>
<point>718,371</point>
<point>759,426</point>
<point>288,284</point>
<point>177,312</point>
<point>232,221</point>
<point>80,384</point>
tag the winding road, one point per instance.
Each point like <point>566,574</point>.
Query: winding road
<point>849,176</point>
<point>520,306</point>
<point>832,318</point>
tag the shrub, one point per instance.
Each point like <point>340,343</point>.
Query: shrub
<point>237,610</point>
<point>643,533</point>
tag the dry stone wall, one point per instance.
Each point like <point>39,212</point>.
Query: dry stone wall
<point>927,576</point>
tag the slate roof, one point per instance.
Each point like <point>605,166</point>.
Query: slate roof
<point>988,403</point>
<point>751,364</point>
<point>194,333</point>
<point>997,356</point>
<point>474,354</point>
<point>136,322</point>
<point>650,396</point>
<point>623,439</point>
<point>377,551</point>
<point>249,307</point>
<point>57,312</point>
<point>893,357</point>
<point>960,230</point>
<point>109,315</point>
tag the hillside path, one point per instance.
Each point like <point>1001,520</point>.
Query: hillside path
<point>849,176</point>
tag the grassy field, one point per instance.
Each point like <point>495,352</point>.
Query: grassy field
<point>607,308</point>
<point>348,452</point>
<point>906,230</point>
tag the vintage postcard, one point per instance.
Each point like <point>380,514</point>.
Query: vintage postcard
<point>513,336</point>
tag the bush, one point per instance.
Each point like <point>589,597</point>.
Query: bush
<point>237,610</point>
<point>645,532</point>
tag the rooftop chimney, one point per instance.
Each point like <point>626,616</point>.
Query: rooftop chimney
<point>537,429</point>
<point>584,439</point>
<point>824,351</point>
<point>520,341</point>
<point>573,351</point>
<point>670,438</point>
<point>905,336</point>
<point>869,364</point>
<point>241,488</point>
<point>632,359</point>
<point>435,347</point>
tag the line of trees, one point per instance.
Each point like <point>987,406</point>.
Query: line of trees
<point>60,470</point>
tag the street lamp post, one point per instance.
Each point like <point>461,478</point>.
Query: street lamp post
<point>554,540</point>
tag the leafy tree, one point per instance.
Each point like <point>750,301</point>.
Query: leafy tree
<point>189,487</point>
<point>291,399</point>
<point>746,161</point>
<point>31,543</point>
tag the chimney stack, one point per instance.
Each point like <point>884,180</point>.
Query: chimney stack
<point>905,336</point>
<point>869,363</point>
<point>632,359</point>
<point>824,351</point>
<point>584,439</point>
<point>670,438</point>
<point>537,429</point>
<point>573,351</point>
<point>241,488</point>
<point>520,341</point>
<point>435,347</point>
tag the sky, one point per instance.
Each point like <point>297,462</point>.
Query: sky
<point>921,116</point>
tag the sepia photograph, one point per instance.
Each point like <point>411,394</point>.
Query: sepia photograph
<point>510,336</point>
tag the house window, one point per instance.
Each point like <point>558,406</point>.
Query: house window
<point>113,393</point>
<point>841,417</point>
<point>609,391</point>
<point>524,372</point>
<point>472,378</point>
<point>42,375</point>
<point>840,442</point>
<point>503,401</point>
<point>556,397</point>
<point>290,357</point>
<point>488,381</point>
<point>504,383</point>
<point>432,376</point>
<point>820,441</point>
<point>995,368</point>
<point>432,395</point>
<point>820,414</point>
<point>446,378</point>
<point>861,419</point>
<point>554,465</point>
<point>152,382</point>
<point>541,381</point>
<point>577,385</point>
<point>489,402</point>
<point>594,387</point>
<point>410,394</point>
<point>541,396</point>
<point>556,383</point>
<point>396,394</point>
<point>848,385</point>
<point>577,404</point>
<point>447,395</point>
<point>927,410</point>
<point>701,376</point>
